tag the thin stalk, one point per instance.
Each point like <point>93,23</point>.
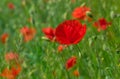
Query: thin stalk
<point>78,51</point>
<point>65,69</point>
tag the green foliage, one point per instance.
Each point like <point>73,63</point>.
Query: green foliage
<point>99,55</point>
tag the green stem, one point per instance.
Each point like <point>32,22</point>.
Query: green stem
<point>79,51</point>
<point>65,69</point>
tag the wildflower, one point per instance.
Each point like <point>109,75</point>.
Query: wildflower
<point>28,33</point>
<point>16,71</point>
<point>61,48</point>
<point>11,56</point>
<point>70,62</point>
<point>11,6</point>
<point>101,24</point>
<point>49,32</point>
<point>4,38</point>
<point>70,32</point>
<point>80,12</point>
<point>76,73</point>
<point>11,73</point>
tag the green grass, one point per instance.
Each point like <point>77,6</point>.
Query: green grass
<point>100,51</point>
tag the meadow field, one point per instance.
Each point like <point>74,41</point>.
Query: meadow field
<point>59,39</point>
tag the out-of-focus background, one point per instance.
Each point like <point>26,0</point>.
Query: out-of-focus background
<point>100,51</point>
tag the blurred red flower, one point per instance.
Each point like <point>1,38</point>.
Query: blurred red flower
<point>101,24</point>
<point>61,48</point>
<point>28,33</point>
<point>70,32</point>
<point>11,56</point>
<point>49,32</point>
<point>70,62</point>
<point>76,73</point>
<point>11,73</point>
<point>4,38</point>
<point>80,12</point>
<point>11,6</point>
<point>16,71</point>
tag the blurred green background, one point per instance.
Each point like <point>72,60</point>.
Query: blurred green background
<point>100,51</point>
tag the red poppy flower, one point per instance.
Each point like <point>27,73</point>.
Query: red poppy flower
<point>28,33</point>
<point>71,62</point>
<point>70,32</point>
<point>4,38</point>
<point>76,73</point>
<point>102,24</point>
<point>11,73</point>
<point>80,12</point>
<point>61,48</point>
<point>49,32</point>
<point>11,56</point>
<point>16,70</point>
<point>7,74</point>
<point>11,6</point>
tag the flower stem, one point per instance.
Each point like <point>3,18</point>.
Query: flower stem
<point>63,61</point>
